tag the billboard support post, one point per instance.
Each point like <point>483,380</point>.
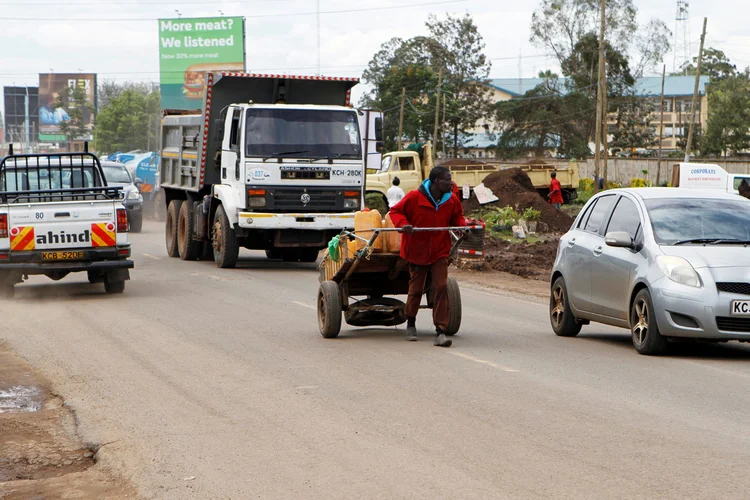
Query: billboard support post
<point>27,125</point>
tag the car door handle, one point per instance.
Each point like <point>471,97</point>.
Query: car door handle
<point>571,242</point>
<point>598,250</point>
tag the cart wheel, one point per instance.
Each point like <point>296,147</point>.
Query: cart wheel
<point>454,306</point>
<point>329,309</point>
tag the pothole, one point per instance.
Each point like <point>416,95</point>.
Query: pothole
<point>21,399</point>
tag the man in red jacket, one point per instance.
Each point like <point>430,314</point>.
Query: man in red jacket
<point>555,192</point>
<point>432,205</point>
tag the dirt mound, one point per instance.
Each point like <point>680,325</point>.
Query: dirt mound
<point>527,260</point>
<point>514,188</point>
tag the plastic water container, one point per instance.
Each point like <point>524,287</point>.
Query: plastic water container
<point>392,238</point>
<point>364,223</point>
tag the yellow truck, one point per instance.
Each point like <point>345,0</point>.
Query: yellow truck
<point>413,167</point>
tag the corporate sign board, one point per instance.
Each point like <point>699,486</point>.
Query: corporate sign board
<point>703,176</point>
<point>57,103</point>
<point>189,47</point>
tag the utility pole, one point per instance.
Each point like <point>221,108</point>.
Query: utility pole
<point>661,125</point>
<point>401,117</point>
<point>605,126</point>
<point>695,93</point>
<point>442,126</point>
<point>437,114</point>
<point>599,98</point>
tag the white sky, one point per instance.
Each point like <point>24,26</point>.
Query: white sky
<point>45,35</point>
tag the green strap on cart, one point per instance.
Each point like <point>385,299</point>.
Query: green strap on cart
<point>333,248</point>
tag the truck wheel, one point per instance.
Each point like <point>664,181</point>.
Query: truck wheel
<point>291,254</point>
<point>114,286</point>
<point>226,249</point>
<point>273,253</point>
<point>188,248</point>
<point>309,255</point>
<point>173,213</point>
<point>454,307</point>
<point>329,309</point>
<point>136,224</point>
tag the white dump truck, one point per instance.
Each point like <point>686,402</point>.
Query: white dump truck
<point>271,162</point>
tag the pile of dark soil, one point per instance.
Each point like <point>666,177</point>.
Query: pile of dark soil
<point>527,260</point>
<point>514,188</point>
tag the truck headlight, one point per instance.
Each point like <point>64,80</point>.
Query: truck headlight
<point>256,198</point>
<point>351,200</point>
<point>135,195</point>
<point>678,270</point>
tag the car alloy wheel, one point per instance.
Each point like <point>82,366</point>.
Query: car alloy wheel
<point>642,317</point>
<point>558,311</point>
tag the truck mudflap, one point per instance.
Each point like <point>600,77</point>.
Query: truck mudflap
<point>310,221</point>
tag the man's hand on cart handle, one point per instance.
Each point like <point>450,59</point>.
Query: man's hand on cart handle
<point>408,229</point>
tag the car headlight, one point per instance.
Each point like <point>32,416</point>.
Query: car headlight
<point>678,270</point>
<point>135,195</point>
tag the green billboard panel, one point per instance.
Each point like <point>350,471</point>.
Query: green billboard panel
<point>188,47</point>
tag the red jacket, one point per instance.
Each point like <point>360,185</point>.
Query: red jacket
<point>418,209</point>
<point>555,192</point>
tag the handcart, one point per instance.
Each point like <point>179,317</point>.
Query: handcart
<point>372,277</point>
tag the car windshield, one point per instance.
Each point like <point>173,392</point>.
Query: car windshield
<point>116,173</point>
<point>304,133</point>
<point>696,220</point>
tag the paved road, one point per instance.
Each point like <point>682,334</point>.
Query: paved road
<point>205,383</point>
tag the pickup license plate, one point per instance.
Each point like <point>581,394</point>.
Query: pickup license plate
<point>62,255</point>
<point>740,308</point>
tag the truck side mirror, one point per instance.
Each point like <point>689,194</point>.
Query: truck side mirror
<point>379,129</point>
<point>219,127</point>
<point>380,147</point>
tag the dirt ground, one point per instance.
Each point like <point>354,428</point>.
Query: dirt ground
<point>41,456</point>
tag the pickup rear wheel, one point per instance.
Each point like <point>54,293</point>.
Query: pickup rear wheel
<point>173,213</point>
<point>114,286</point>
<point>188,248</point>
<point>226,249</point>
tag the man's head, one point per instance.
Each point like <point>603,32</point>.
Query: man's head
<point>553,174</point>
<point>441,178</point>
<point>396,181</point>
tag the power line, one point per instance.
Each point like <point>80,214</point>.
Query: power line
<point>140,4</point>
<point>254,16</point>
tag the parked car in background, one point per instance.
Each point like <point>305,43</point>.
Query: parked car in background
<point>118,175</point>
<point>662,262</point>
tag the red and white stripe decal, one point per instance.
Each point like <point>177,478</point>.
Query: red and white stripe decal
<point>293,77</point>
<point>471,252</point>
<point>207,114</point>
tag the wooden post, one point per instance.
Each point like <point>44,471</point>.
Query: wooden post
<point>695,92</point>
<point>442,126</point>
<point>599,100</point>
<point>437,115</point>
<point>401,118</point>
<point>661,125</point>
<point>605,128</point>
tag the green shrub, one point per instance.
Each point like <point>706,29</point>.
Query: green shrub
<point>586,184</point>
<point>531,214</point>
<point>375,201</point>
<point>639,182</point>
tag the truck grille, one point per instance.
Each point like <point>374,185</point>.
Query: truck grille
<point>739,288</point>
<point>304,200</point>
<point>730,324</point>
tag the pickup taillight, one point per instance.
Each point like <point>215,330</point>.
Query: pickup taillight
<point>3,225</point>
<point>122,220</point>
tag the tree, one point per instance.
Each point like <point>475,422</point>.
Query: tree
<point>129,121</point>
<point>716,66</point>
<point>728,127</point>
<point>454,46</point>
<point>634,129</point>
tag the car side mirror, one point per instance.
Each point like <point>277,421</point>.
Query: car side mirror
<point>618,239</point>
<point>138,181</point>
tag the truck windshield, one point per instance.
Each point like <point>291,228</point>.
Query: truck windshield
<point>308,133</point>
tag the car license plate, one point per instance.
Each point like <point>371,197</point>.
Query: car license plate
<point>62,255</point>
<point>740,308</point>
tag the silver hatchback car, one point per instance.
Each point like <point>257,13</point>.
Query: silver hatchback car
<point>663,262</point>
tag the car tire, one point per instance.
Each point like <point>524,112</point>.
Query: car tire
<point>643,328</point>
<point>170,227</point>
<point>226,249</point>
<point>136,224</point>
<point>564,324</point>
<point>187,247</point>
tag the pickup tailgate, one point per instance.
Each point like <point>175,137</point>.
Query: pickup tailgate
<point>62,226</point>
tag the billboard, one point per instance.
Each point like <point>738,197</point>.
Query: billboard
<point>14,99</point>
<point>59,102</point>
<point>188,47</point>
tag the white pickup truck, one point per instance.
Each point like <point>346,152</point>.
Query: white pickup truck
<point>58,216</point>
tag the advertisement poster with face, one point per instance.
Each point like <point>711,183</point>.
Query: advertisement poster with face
<point>66,101</point>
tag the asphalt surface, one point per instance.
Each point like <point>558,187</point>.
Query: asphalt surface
<point>208,383</point>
